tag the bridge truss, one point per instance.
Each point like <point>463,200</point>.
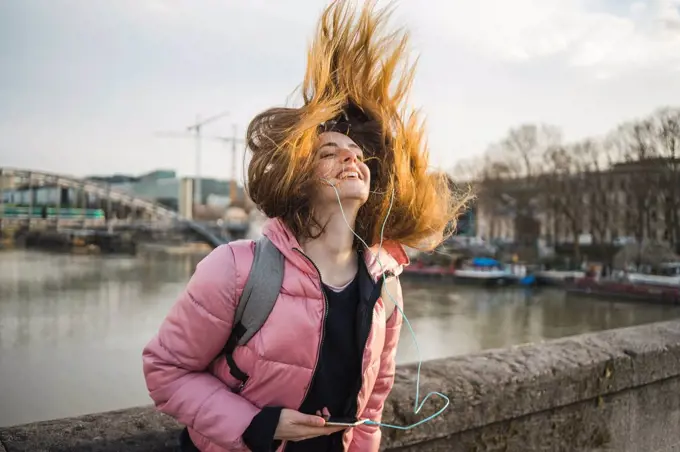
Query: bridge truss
<point>85,194</point>
<point>116,206</point>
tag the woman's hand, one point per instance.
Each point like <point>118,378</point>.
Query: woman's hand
<point>296,426</point>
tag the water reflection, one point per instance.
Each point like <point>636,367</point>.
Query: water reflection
<point>72,327</point>
<point>452,321</point>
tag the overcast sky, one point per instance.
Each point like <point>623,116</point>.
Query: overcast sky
<point>86,84</point>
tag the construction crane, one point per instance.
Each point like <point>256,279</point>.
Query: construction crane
<point>234,140</point>
<point>196,129</point>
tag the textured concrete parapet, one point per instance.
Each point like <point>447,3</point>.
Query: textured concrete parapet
<point>555,396</point>
<point>134,430</point>
<point>610,391</point>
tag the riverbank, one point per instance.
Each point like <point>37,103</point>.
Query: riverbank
<point>102,242</point>
<point>197,249</point>
<point>77,241</point>
<point>614,390</point>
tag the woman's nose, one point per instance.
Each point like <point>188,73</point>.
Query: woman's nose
<point>347,156</point>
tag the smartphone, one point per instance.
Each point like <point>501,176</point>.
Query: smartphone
<point>344,421</point>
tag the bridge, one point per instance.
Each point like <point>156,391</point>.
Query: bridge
<point>68,201</point>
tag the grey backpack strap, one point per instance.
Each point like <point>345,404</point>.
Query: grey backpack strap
<point>257,300</point>
<point>261,290</point>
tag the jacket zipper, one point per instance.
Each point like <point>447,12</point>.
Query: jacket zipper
<point>363,348</point>
<point>323,327</point>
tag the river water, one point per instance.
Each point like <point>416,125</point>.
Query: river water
<point>72,327</point>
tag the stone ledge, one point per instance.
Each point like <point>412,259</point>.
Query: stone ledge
<point>135,430</point>
<point>485,388</point>
<point>502,384</point>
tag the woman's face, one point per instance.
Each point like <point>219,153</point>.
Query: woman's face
<point>339,164</point>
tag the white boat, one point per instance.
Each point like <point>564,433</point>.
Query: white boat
<point>558,277</point>
<point>484,271</point>
<point>667,274</point>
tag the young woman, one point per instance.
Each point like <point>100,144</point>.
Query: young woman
<point>344,182</point>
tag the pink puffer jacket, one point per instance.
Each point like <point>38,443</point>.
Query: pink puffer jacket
<point>280,359</point>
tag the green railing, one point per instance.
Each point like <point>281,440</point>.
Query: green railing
<point>9,211</point>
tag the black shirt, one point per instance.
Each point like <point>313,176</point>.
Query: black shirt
<point>334,383</point>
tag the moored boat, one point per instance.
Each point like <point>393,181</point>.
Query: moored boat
<point>665,274</point>
<point>429,272</point>
<point>485,271</point>
<point>623,289</point>
<point>557,277</point>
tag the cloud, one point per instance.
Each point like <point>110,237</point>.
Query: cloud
<point>90,82</point>
<point>581,33</point>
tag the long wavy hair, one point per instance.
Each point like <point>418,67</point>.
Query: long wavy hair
<point>358,75</point>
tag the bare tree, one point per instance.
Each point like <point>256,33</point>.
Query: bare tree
<point>600,200</point>
<point>665,125</point>
<point>564,187</point>
<point>494,175</point>
<point>507,178</point>
<point>524,146</point>
<point>468,170</point>
<point>628,184</point>
<point>634,143</point>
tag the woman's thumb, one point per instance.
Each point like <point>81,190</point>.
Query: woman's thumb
<point>308,419</point>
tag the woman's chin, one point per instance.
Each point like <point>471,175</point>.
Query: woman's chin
<point>348,199</point>
<point>354,194</point>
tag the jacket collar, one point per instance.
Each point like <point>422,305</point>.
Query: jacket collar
<point>391,258</point>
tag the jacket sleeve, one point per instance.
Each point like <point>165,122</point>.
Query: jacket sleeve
<point>366,438</point>
<point>194,332</point>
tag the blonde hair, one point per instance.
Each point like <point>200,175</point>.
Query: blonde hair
<point>354,65</point>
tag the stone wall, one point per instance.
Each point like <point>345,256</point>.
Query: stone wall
<point>617,390</point>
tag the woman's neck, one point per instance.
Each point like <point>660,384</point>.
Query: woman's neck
<point>333,251</point>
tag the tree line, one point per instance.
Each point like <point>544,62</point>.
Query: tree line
<point>623,184</point>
